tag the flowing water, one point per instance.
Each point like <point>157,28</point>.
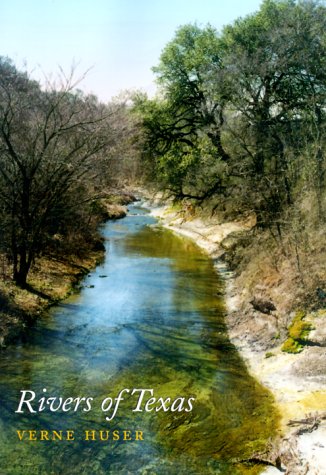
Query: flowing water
<point>150,317</point>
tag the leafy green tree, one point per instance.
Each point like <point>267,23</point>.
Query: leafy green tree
<point>274,63</point>
<point>238,112</point>
<point>189,112</point>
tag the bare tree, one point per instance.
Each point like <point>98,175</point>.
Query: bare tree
<point>49,141</point>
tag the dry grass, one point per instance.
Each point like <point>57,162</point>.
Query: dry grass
<point>50,280</point>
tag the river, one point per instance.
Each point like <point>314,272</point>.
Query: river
<point>151,316</point>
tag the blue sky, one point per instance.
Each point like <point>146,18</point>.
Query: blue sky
<point>119,39</point>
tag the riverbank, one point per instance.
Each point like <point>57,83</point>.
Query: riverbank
<point>50,280</point>
<point>54,277</point>
<point>297,380</point>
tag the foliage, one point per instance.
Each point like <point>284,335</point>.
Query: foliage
<point>239,123</point>
<point>182,130</point>
<point>297,334</point>
<point>276,69</point>
<point>242,113</point>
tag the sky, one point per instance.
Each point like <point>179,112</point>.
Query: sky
<point>118,41</point>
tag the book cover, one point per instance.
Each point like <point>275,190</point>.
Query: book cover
<point>162,265</point>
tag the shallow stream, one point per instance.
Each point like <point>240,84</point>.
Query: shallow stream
<point>150,317</point>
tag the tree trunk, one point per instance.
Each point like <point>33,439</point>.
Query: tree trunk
<point>20,273</point>
<point>21,277</point>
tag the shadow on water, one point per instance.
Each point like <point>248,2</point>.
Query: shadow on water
<point>156,321</point>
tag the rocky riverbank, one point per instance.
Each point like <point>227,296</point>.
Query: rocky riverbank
<point>297,380</point>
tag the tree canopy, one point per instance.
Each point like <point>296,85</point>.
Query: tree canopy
<point>237,108</point>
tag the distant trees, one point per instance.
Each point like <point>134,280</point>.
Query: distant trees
<point>50,141</point>
<point>124,165</point>
<point>237,110</point>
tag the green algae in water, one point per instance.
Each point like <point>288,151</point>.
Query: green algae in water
<point>156,322</point>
